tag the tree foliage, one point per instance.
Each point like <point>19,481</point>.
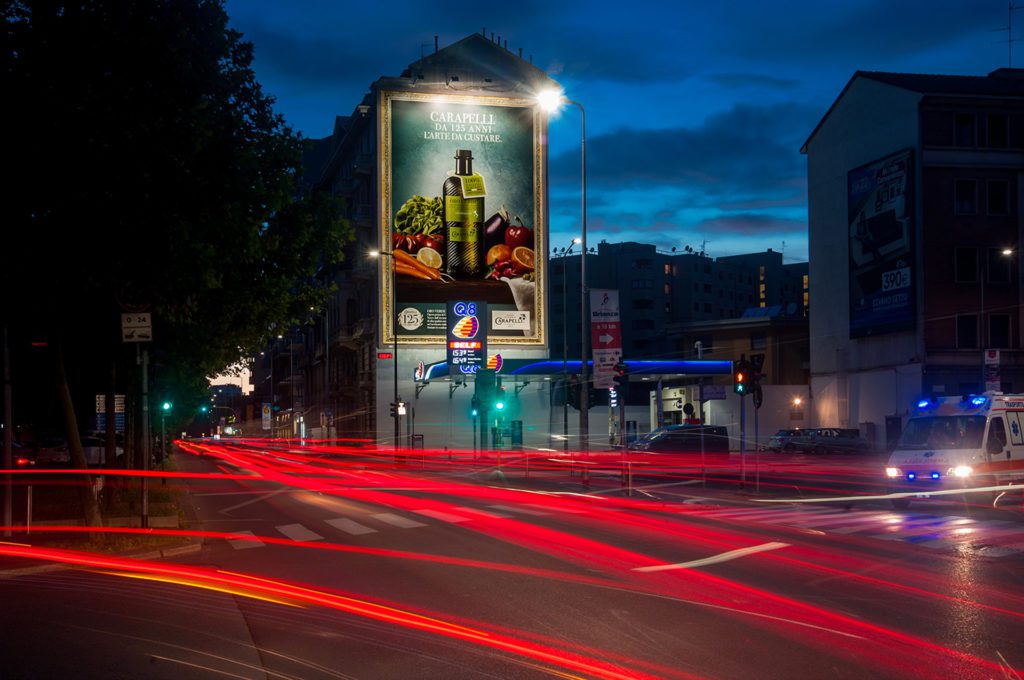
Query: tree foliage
<point>152,172</point>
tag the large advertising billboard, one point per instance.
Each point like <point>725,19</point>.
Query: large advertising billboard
<point>883,279</point>
<point>463,206</point>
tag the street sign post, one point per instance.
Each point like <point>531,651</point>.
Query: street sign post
<point>136,327</point>
<point>605,335</point>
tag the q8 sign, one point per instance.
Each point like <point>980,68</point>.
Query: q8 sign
<point>467,339</point>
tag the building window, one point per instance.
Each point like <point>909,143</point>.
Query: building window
<point>643,304</point>
<point>707,307</point>
<point>998,266</point>
<point>758,340</point>
<point>965,197</point>
<point>998,202</point>
<point>707,269</point>
<point>640,284</point>
<point>643,324</point>
<point>999,331</point>
<point>965,264</point>
<point>668,269</point>
<point>998,137</point>
<point>641,264</point>
<point>707,288</point>
<point>965,132</point>
<point>967,331</point>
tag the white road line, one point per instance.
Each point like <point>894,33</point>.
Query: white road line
<point>518,509</point>
<point>350,527</point>
<point>297,532</point>
<point>262,497</point>
<point>397,520</point>
<point>443,516</point>
<point>483,513</point>
<point>244,543</point>
<point>715,559</point>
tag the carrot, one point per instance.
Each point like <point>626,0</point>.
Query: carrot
<point>404,258</point>
<point>406,270</point>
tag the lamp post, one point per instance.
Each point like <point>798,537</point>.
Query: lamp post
<point>565,349</point>
<point>985,338</point>
<point>165,407</point>
<point>551,100</point>
<point>394,333</point>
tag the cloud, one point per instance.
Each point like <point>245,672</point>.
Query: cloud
<point>746,153</point>
<point>740,81</point>
<point>752,224</point>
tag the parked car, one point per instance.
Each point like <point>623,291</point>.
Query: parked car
<point>53,452</point>
<point>684,439</point>
<point>783,440</point>
<point>22,455</point>
<point>831,440</point>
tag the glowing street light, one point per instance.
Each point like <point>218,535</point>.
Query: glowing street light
<point>551,100</point>
<point>394,331</point>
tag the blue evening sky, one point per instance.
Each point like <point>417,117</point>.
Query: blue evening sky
<point>696,111</point>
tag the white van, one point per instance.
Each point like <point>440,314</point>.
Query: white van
<point>959,442</point>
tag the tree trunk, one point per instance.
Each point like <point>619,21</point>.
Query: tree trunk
<point>85,486</point>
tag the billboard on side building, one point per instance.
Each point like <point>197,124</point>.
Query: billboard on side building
<point>883,276</point>
<point>463,207</point>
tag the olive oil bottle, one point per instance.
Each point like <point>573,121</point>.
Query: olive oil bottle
<point>463,219</point>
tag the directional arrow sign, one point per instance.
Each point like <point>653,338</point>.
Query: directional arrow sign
<point>605,335</point>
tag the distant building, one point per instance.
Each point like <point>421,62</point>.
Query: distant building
<point>914,186</point>
<point>659,289</point>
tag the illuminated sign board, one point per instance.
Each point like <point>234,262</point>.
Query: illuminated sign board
<point>467,338</point>
<point>463,209</point>
<point>883,283</point>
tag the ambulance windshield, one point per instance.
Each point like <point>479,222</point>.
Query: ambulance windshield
<point>943,432</point>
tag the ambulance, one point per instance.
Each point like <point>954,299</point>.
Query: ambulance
<point>972,442</point>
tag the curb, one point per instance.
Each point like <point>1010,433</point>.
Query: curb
<point>191,548</point>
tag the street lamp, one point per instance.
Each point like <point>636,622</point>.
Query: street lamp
<point>565,347</point>
<point>551,100</point>
<point>394,333</point>
<point>983,337</point>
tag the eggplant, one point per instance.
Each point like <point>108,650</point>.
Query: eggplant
<point>494,228</point>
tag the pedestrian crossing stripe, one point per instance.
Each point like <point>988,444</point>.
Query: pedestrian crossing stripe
<point>992,538</point>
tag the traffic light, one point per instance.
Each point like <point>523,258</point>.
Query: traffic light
<point>572,393</point>
<point>498,400</point>
<point>740,377</point>
<point>474,407</point>
<point>621,377</point>
<point>394,410</point>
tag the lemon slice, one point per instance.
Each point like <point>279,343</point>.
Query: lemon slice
<point>429,257</point>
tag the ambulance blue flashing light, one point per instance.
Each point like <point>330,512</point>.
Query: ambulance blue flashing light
<point>935,475</point>
<point>923,403</point>
<point>977,401</point>
<point>911,476</point>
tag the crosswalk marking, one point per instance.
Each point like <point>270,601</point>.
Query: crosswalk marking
<point>562,509</point>
<point>518,509</point>
<point>443,516</point>
<point>245,543</point>
<point>397,520</point>
<point>992,538</point>
<point>297,532</point>
<point>350,527</point>
<point>483,513</point>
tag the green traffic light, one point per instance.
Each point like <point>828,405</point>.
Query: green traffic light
<point>204,408</point>
<point>499,406</point>
<point>475,413</point>
<point>167,406</point>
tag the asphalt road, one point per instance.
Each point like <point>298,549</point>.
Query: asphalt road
<point>337,567</point>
